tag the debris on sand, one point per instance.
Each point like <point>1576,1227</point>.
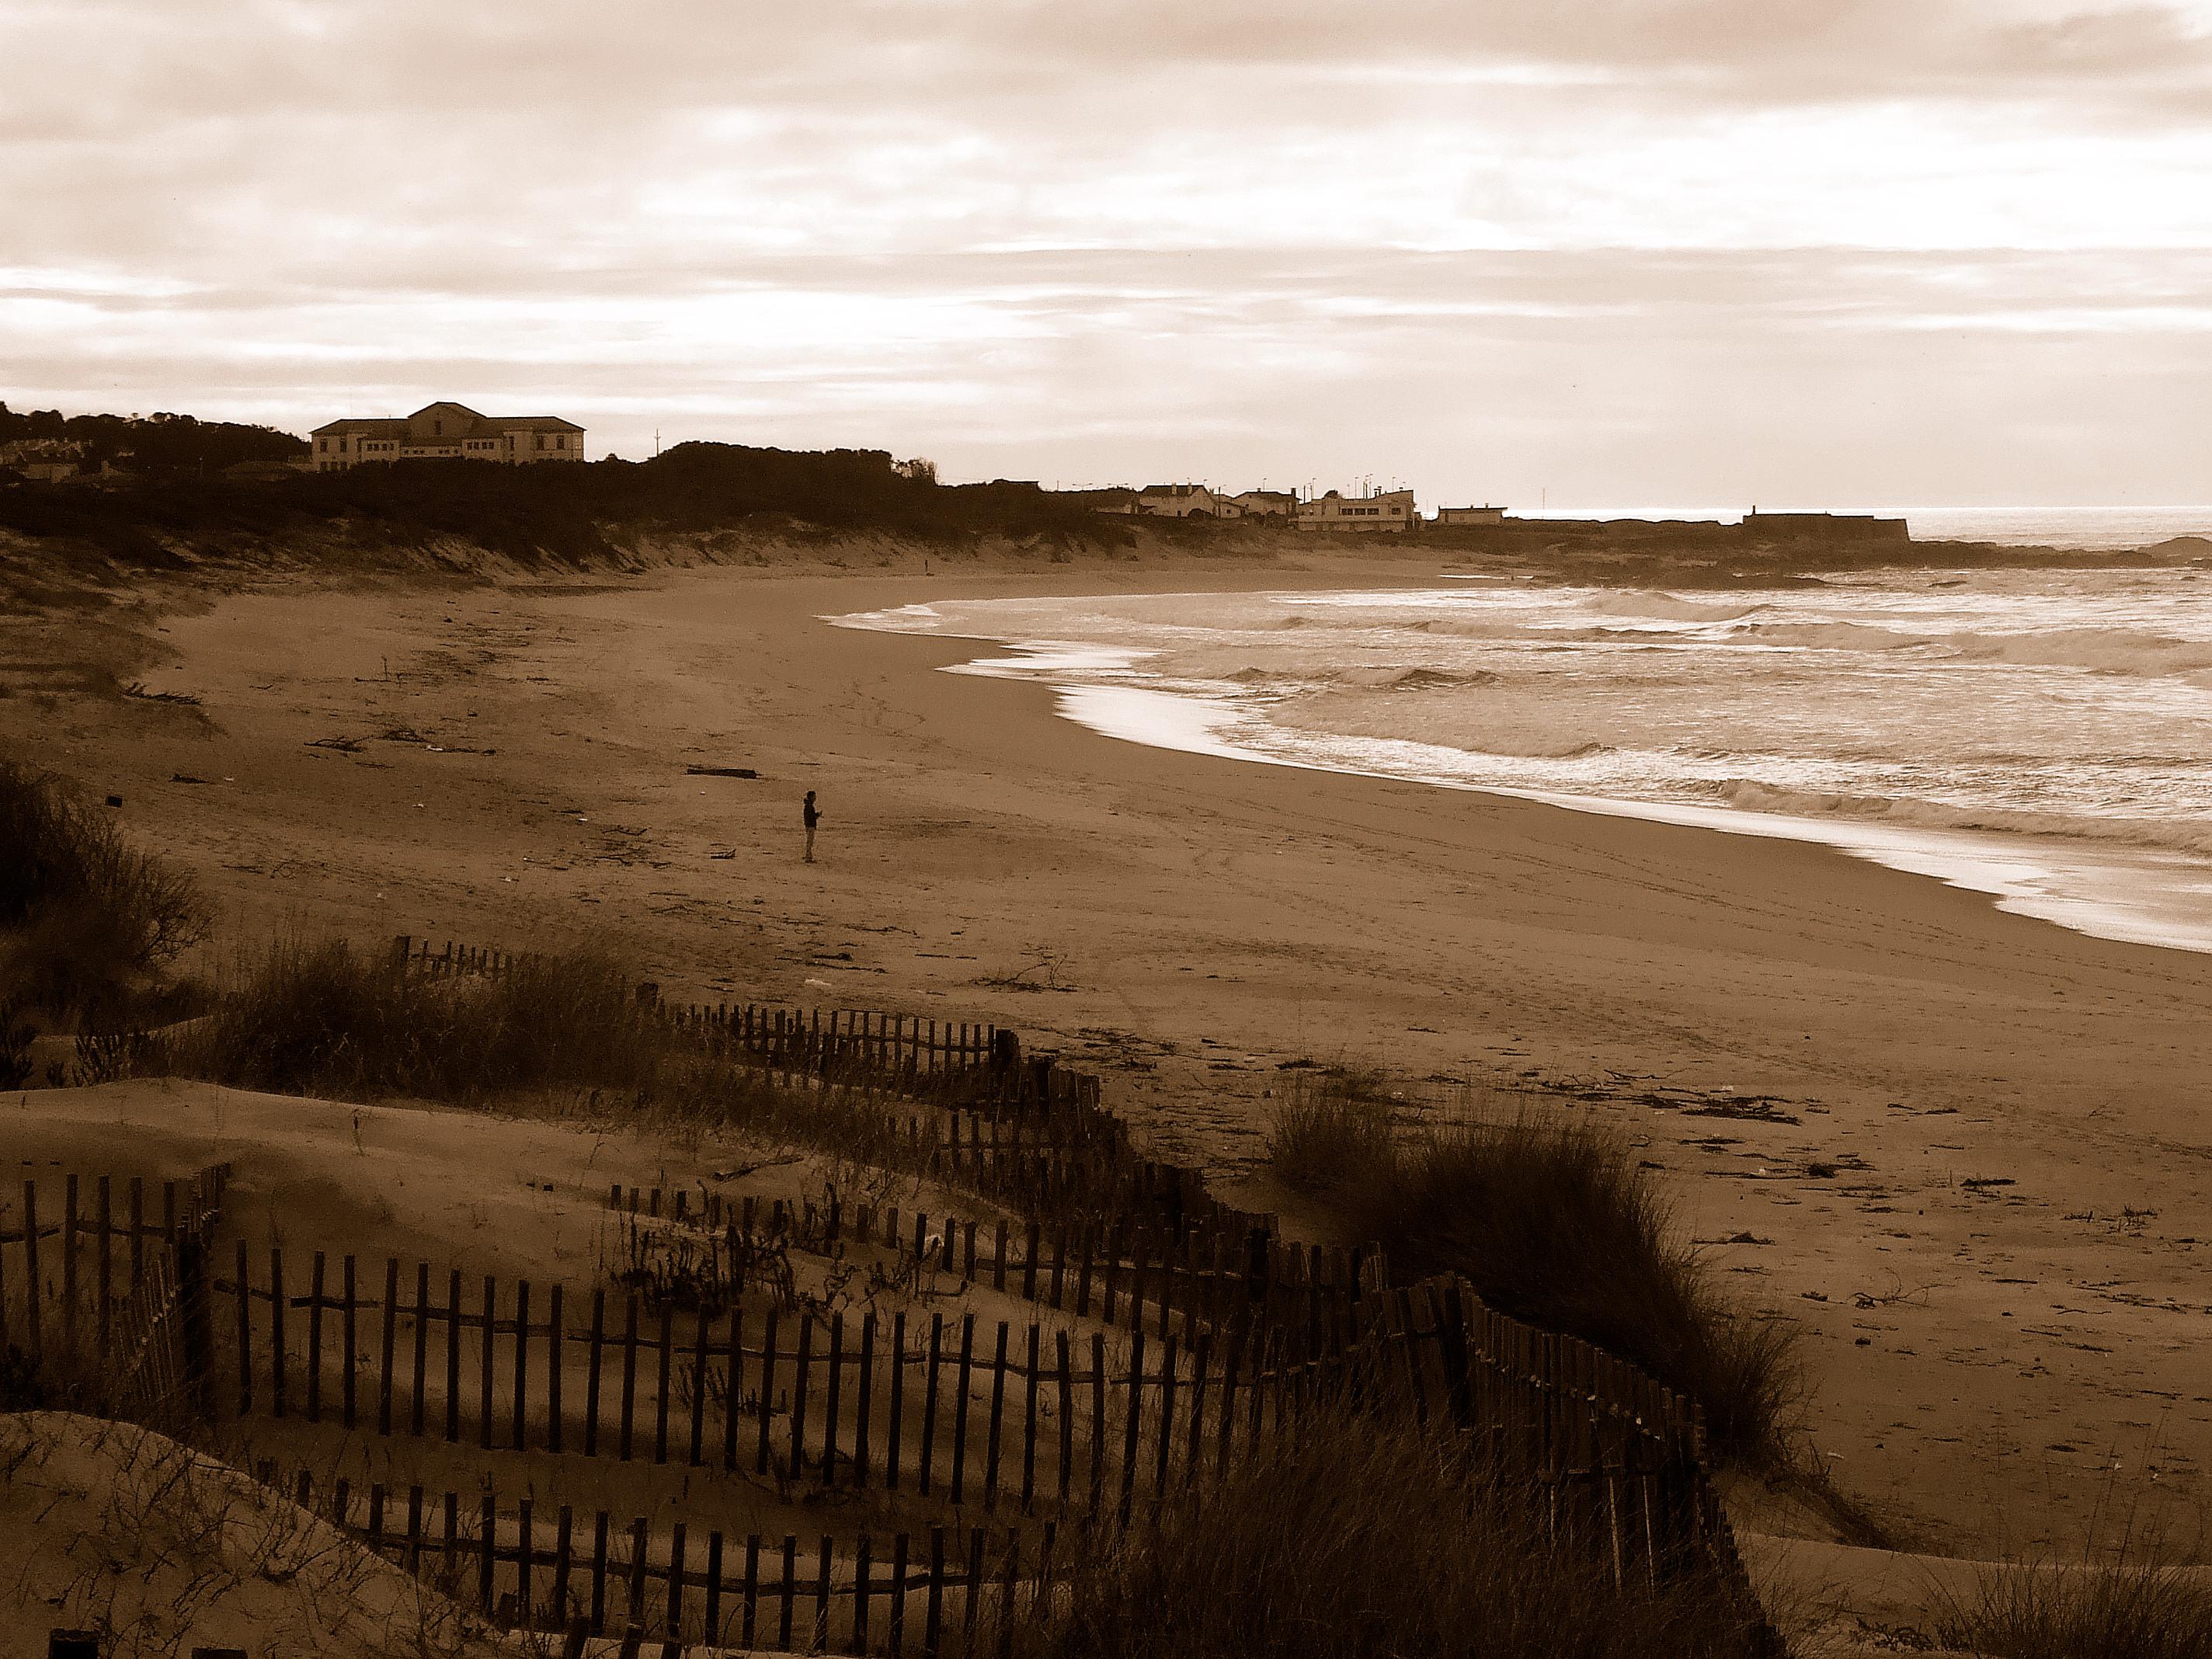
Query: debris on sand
<point>719,772</point>
<point>1757,1109</point>
<point>137,690</point>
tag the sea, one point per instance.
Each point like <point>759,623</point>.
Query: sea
<point>2040,735</point>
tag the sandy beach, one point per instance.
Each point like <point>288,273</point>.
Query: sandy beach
<point>1971,1161</point>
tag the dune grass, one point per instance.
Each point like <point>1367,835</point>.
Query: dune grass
<point>87,920</point>
<point>2133,1607</point>
<point>1553,1220</point>
<point>1371,1536</point>
<point>321,1018</point>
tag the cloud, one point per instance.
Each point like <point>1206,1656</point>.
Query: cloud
<point>1007,227</point>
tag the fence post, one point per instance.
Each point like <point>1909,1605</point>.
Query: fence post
<point>1452,1349</point>
<point>197,1323</point>
<point>1259,1267</point>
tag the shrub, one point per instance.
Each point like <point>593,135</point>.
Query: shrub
<point>1370,1537</point>
<point>1553,1221</point>
<point>14,1048</point>
<point>89,917</point>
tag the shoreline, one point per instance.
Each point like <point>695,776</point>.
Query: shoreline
<point>2048,876</point>
<point>2106,890</point>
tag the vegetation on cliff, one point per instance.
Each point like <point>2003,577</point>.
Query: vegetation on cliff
<point>591,514</point>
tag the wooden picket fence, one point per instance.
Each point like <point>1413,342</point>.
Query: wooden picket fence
<point>144,1354</point>
<point>826,1401</point>
<point>1025,1130</point>
<point>69,1270</point>
<point>845,1042</point>
<point>1189,1274</point>
<point>949,1590</point>
<point>1626,1488</point>
<point>1033,1419</point>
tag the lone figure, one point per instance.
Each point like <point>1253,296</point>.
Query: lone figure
<point>812,814</point>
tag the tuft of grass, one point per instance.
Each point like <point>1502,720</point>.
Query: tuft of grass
<point>1370,1537</point>
<point>321,1018</point>
<point>86,919</point>
<point>1327,1137</point>
<point>2134,1607</point>
<point>1553,1221</point>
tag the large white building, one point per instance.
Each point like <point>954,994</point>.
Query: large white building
<point>1392,509</point>
<point>446,431</point>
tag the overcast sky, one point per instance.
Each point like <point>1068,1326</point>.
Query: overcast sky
<point>1605,253</point>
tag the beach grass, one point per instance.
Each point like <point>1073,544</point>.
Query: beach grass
<point>319,1016</point>
<point>2134,1607</point>
<point>1366,1535</point>
<point>1552,1219</point>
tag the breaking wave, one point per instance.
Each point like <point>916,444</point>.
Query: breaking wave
<point>1378,678</point>
<point>2175,835</point>
<point>1667,607</point>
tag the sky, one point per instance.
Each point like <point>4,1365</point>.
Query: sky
<point>1574,253</point>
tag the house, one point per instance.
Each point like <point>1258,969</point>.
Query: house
<point>447,431</point>
<point>1178,502</point>
<point>1393,509</point>
<point>1451,515</point>
<point>1264,503</point>
<point>43,460</point>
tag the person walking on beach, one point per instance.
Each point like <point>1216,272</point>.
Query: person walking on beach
<point>812,814</point>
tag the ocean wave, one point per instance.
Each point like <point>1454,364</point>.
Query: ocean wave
<point>1412,679</point>
<point>2099,650</point>
<point>2165,835</point>
<point>1467,627</point>
<point>1831,636</point>
<point>1376,678</point>
<point>1665,607</point>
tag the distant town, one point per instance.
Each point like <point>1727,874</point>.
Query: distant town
<point>45,447</point>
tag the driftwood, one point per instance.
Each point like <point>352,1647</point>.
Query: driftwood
<point>719,772</point>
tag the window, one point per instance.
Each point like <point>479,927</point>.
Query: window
<point>437,429</point>
<point>541,440</point>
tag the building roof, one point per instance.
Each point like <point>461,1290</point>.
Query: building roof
<point>361,428</point>
<point>479,426</point>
